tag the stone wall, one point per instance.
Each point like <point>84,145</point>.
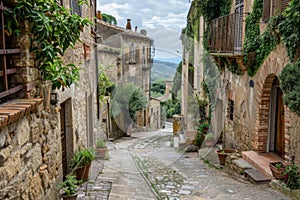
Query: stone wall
<point>30,147</point>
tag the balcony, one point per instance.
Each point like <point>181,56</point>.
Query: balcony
<point>226,34</point>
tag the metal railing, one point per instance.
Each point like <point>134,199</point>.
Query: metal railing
<point>226,34</point>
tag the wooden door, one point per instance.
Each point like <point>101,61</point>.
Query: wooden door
<point>63,139</point>
<point>279,145</point>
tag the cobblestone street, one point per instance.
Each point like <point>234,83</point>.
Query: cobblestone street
<point>145,166</point>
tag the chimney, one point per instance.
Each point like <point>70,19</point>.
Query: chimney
<point>128,25</point>
<point>135,29</point>
<point>99,15</point>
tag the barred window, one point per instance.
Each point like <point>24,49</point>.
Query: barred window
<point>8,52</point>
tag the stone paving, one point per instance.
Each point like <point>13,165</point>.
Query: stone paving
<point>145,166</point>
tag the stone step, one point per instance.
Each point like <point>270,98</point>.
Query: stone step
<point>260,161</point>
<point>255,176</point>
<point>240,165</point>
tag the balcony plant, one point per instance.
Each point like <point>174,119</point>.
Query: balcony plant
<point>69,187</point>
<point>101,148</point>
<point>81,162</point>
<point>277,169</point>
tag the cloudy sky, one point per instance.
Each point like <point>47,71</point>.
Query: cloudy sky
<point>163,20</point>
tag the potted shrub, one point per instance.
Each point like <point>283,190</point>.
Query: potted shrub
<point>101,148</point>
<point>277,169</point>
<point>81,162</point>
<point>223,153</point>
<point>69,187</point>
<point>209,139</point>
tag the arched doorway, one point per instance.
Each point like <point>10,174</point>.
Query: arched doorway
<point>276,141</point>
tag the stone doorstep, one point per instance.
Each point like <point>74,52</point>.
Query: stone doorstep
<point>241,165</point>
<point>260,161</point>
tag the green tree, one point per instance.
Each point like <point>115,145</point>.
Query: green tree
<point>127,100</point>
<point>109,18</point>
<point>177,80</point>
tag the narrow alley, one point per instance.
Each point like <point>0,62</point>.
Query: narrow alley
<point>146,166</point>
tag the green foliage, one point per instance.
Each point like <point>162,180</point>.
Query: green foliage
<point>109,18</point>
<point>100,143</point>
<point>289,28</point>
<point>53,31</point>
<point>289,83</point>
<point>292,172</point>
<point>70,185</point>
<point>177,80</point>
<point>263,44</point>
<point>82,157</point>
<point>172,106</point>
<point>128,98</point>
<point>105,85</point>
<point>158,88</point>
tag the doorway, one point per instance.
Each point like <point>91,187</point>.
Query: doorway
<point>276,120</point>
<point>66,135</point>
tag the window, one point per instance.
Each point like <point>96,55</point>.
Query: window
<point>132,54</point>
<point>273,8</point>
<point>239,10</point>
<point>8,52</point>
<point>76,9</point>
<point>230,109</point>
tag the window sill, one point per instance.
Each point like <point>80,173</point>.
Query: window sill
<point>14,110</point>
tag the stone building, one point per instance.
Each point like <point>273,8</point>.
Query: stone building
<point>249,103</point>
<point>126,57</point>
<point>38,138</point>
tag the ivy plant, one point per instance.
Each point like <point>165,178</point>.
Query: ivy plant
<point>53,30</point>
<point>289,83</point>
<point>289,28</point>
<point>105,84</point>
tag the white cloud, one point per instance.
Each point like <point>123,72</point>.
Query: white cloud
<point>162,19</point>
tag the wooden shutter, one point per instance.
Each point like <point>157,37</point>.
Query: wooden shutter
<point>266,10</point>
<point>76,9</point>
<point>284,4</point>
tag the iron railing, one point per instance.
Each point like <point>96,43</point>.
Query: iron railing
<point>226,34</point>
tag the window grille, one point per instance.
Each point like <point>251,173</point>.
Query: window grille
<point>8,52</point>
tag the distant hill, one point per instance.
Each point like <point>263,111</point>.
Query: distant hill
<point>163,70</point>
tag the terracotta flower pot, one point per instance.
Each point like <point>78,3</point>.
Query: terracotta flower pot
<point>223,153</point>
<point>83,172</point>
<point>101,152</point>
<point>69,197</point>
<point>277,169</point>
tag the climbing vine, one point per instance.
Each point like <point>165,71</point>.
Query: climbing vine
<point>53,30</point>
<point>260,45</point>
<point>289,83</point>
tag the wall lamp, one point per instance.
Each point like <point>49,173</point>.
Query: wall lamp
<point>53,98</point>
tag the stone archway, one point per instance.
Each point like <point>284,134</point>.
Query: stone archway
<point>265,77</point>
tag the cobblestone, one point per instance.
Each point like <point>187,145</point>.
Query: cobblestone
<point>146,166</point>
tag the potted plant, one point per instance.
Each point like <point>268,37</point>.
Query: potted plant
<point>209,139</point>
<point>69,187</point>
<point>223,153</point>
<point>101,148</point>
<point>277,169</point>
<point>81,162</point>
